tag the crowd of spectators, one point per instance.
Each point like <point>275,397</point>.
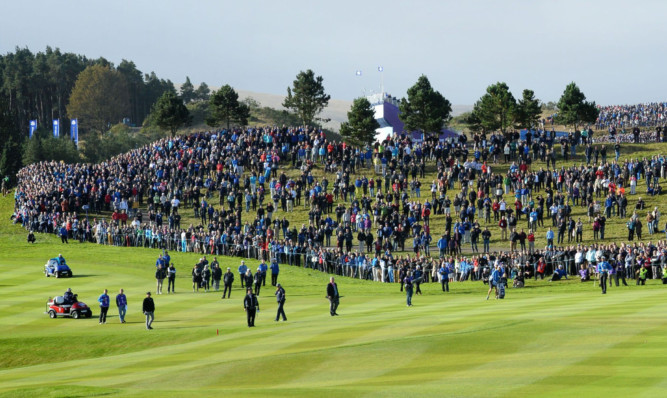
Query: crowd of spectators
<point>628,116</point>
<point>370,204</point>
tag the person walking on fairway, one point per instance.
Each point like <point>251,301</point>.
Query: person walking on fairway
<point>121,303</point>
<point>494,281</point>
<point>251,306</point>
<point>603,270</point>
<point>408,288</point>
<point>280,298</point>
<point>171,279</point>
<point>333,296</point>
<point>149,310</point>
<point>160,275</point>
<point>104,306</point>
<point>242,271</point>
<point>228,279</point>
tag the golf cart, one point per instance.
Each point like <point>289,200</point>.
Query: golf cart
<point>57,267</point>
<point>57,306</point>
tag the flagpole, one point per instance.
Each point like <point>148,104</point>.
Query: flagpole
<point>381,70</point>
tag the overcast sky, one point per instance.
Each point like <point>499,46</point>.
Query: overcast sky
<point>614,50</point>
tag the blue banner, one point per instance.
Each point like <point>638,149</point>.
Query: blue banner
<point>74,131</point>
<point>33,127</point>
<point>56,128</point>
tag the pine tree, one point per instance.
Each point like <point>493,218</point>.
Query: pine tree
<point>187,91</point>
<point>425,109</point>
<point>306,98</point>
<point>573,109</point>
<point>361,125</point>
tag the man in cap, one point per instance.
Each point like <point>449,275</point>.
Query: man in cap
<point>228,279</point>
<point>149,309</point>
<point>280,298</point>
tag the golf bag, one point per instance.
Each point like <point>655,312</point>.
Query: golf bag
<point>501,290</point>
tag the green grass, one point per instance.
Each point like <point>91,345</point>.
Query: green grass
<point>562,339</point>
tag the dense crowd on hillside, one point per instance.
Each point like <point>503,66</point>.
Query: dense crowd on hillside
<point>629,116</point>
<point>371,203</point>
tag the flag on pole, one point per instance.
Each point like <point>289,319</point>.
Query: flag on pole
<point>74,131</point>
<point>33,127</point>
<point>56,128</point>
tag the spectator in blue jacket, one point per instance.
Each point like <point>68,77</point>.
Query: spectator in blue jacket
<point>262,269</point>
<point>242,271</point>
<point>121,303</point>
<point>275,269</point>
<point>104,306</point>
<point>63,234</point>
<point>494,280</point>
<point>442,246</point>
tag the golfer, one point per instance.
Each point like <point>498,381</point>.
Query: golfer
<point>408,288</point>
<point>280,298</point>
<point>333,296</point>
<point>149,309</point>
<point>251,306</point>
<point>494,281</point>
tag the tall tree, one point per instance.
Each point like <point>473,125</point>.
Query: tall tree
<point>573,109</point>
<point>496,109</point>
<point>99,98</point>
<point>187,91</point>
<point>361,125</point>
<point>169,113</point>
<point>203,93</point>
<point>529,110</point>
<point>306,98</point>
<point>10,152</point>
<point>33,151</point>
<point>135,85</point>
<point>424,109</point>
<point>225,107</point>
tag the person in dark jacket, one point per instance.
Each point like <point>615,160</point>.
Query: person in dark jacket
<point>160,275</point>
<point>251,306</point>
<point>196,278</point>
<point>408,288</point>
<point>280,298</point>
<point>417,279</point>
<point>171,279</point>
<point>333,296</point>
<point>248,278</point>
<point>149,310</point>
<point>258,281</point>
<point>228,279</point>
<point>216,275</point>
<point>206,278</point>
